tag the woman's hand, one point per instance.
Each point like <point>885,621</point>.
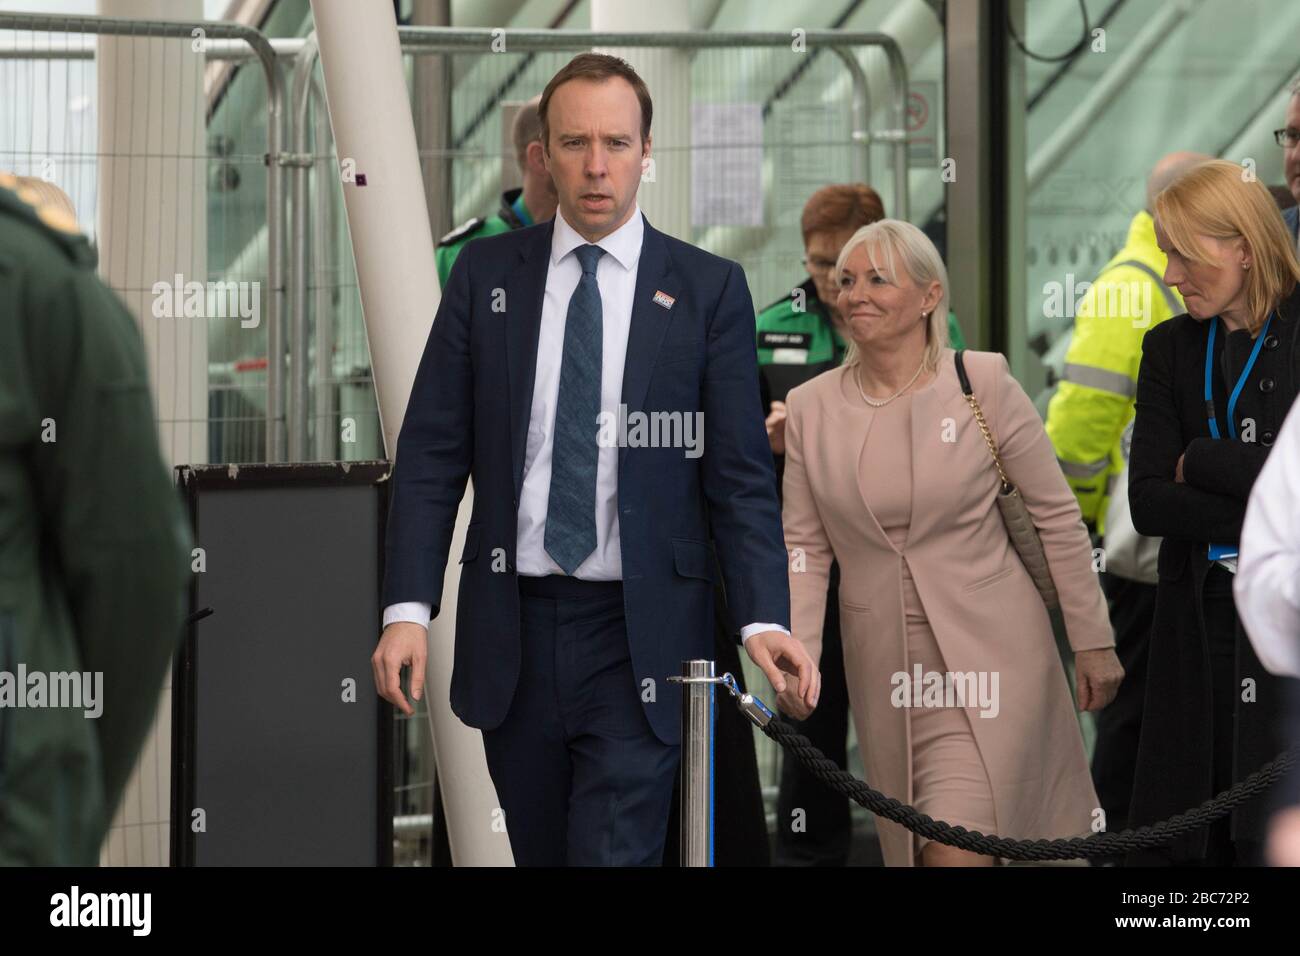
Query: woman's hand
<point>1097,676</point>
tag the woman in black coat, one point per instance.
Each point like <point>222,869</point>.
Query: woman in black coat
<point>1212,711</point>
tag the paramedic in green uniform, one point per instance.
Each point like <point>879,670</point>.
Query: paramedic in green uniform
<point>523,206</point>
<point>94,548</point>
<point>798,339</point>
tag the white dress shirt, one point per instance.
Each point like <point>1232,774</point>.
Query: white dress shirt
<point>616,273</point>
<point>1267,586</point>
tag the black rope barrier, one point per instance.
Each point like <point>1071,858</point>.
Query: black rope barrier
<point>1094,845</point>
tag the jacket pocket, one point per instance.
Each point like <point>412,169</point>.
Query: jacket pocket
<point>694,559</point>
<point>470,551</point>
<point>989,581</point>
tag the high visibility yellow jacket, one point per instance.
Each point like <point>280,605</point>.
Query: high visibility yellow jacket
<point>1094,403</point>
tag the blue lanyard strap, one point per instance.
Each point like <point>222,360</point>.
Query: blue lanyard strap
<point>1241,379</point>
<point>1209,378</point>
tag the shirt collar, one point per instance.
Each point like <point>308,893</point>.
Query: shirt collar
<point>624,243</point>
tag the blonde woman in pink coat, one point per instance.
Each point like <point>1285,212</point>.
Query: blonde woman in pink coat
<point>959,698</point>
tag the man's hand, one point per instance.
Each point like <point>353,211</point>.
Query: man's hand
<point>1178,470</point>
<point>402,643</point>
<point>776,430</point>
<point>776,651</point>
<point>1097,676</point>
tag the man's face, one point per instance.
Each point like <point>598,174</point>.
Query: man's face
<point>1291,155</point>
<point>595,153</point>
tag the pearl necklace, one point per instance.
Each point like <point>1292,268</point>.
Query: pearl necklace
<point>881,403</point>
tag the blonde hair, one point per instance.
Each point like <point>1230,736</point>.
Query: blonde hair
<point>891,243</point>
<point>1215,199</point>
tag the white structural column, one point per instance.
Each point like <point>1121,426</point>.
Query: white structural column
<point>393,247</point>
<point>152,226</point>
<point>666,201</point>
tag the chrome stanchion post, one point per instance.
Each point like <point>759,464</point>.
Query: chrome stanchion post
<point>697,762</point>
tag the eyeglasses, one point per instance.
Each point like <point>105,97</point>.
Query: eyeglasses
<point>1287,138</point>
<point>817,263</point>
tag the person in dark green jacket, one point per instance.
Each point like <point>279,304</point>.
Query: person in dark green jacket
<point>534,202</point>
<point>799,338</point>
<point>94,549</point>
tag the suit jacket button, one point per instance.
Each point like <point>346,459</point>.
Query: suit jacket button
<point>1270,341</point>
<point>1266,439</point>
<point>1266,385</point>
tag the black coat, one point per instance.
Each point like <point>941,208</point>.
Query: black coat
<point>1175,754</point>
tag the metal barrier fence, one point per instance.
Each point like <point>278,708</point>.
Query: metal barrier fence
<point>732,170</point>
<point>118,114</point>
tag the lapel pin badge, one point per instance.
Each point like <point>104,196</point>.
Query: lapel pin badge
<point>664,299</point>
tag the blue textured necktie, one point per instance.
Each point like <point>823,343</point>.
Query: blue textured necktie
<point>571,509</point>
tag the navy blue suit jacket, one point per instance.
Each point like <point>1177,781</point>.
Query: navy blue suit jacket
<point>467,417</point>
<point>1289,216</point>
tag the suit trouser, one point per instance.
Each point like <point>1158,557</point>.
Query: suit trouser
<point>580,774</point>
<point>825,828</point>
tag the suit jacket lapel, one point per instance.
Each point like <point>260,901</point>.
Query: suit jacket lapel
<point>525,289</point>
<point>650,320</point>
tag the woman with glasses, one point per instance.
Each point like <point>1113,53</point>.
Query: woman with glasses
<point>1213,389</point>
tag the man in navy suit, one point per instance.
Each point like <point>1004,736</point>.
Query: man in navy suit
<point>596,379</point>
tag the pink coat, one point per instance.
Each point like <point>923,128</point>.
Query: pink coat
<point>980,601</point>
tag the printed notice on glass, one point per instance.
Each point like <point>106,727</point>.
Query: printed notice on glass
<point>726,164</point>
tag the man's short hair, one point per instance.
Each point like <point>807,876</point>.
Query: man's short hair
<point>526,128</point>
<point>596,67</point>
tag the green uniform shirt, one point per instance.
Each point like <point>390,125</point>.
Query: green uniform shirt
<point>94,549</point>
<point>512,214</point>
<point>796,341</point>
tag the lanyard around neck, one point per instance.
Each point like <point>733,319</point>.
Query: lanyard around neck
<point>1241,379</point>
